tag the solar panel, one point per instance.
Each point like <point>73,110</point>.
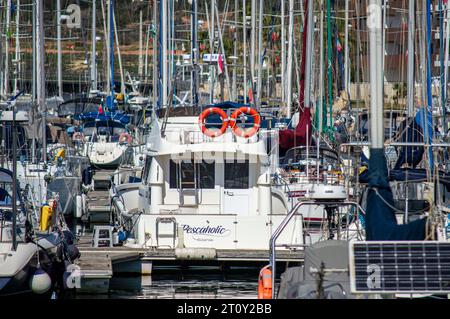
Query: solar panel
<point>400,267</point>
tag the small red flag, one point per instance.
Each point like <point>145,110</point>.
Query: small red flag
<point>250,95</point>
<point>220,64</point>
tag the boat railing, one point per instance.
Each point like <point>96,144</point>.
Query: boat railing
<point>194,136</point>
<point>279,181</point>
<point>294,211</point>
<point>118,202</point>
<point>300,177</point>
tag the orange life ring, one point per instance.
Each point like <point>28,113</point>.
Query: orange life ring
<point>213,132</point>
<point>125,138</point>
<point>265,283</point>
<point>246,133</point>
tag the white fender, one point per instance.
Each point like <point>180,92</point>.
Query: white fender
<point>79,207</point>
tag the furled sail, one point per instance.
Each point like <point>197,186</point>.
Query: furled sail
<point>381,223</point>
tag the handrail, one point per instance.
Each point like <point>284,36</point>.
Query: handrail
<point>287,219</point>
<point>284,183</point>
<point>114,188</point>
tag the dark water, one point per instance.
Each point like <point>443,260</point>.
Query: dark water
<point>169,287</point>
<point>176,284</point>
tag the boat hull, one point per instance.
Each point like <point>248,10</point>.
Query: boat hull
<point>215,231</point>
<point>108,156</point>
<point>17,282</point>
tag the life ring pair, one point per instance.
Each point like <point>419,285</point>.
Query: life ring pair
<point>246,133</point>
<point>265,283</point>
<point>125,138</point>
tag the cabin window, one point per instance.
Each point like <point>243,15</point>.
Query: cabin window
<point>205,175</point>
<point>146,171</point>
<point>236,175</point>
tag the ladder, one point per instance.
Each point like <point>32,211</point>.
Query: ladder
<point>166,235</point>
<point>103,236</point>
<point>181,190</point>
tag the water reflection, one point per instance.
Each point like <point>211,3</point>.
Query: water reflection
<point>171,283</point>
<point>161,287</point>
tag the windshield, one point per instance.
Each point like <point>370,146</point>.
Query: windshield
<point>110,129</point>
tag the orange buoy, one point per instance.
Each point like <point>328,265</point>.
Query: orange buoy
<point>246,133</point>
<point>265,283</point>
<point>213,132</point>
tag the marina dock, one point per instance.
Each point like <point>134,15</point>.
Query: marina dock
<point>98,265</point>
<point>302,144</point>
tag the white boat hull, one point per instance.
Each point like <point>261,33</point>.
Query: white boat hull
<point>214,231</point>
<point>107,155</point>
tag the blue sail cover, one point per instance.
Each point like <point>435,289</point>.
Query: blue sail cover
<point>381,223</point>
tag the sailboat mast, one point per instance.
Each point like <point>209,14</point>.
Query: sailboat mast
<point>446,53</point>
<point>14,184</point>
<point>290,58</point>
<point>58,45</point>
<point>111,51</point>
<point>17,57</point>
<point>429,98</point>
<point>222,49</point>
<point>106,54</point>
<point>40,73</point>
<point>244,35</point>
<point>253,41</point>
<point>211,45</point>
<point>411,56</point>
<point>309,40</point>
<point>147,40</point>
<point>194,52</point>
<point>346,53</point>
<point>330,65</point>
<point>119,56</point>
<point>260,54</point>
<point>283,51</point>
<point>374,24</point>
<point>235,48</point>
<point>442,58</point>
<point>321,78</point>
<point>154,57</point>
<point>163,61</point>
<point>33,78</point>
<point>141,44</point>
<point>8,34</point>
<point>94,47</point>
